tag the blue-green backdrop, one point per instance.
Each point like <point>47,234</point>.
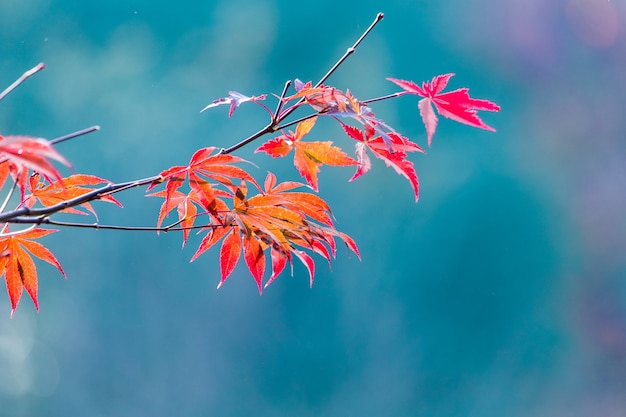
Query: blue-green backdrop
<point>501,293</point>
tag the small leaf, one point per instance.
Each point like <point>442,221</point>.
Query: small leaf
<point>253,255</point>
<point>229,254</point>
<point>234,99</point>
<point>279,261</point>
<point>309,156</point>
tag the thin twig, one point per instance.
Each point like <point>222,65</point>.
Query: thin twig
<point>387,97</point>
<point>267,129</point>
<point>22,78</point>
<point>48,221</point>
<point>74,134</point>
<point>350,50</point>
<point>281,103</point>
<point>272,126</point>
<point>341,60</point>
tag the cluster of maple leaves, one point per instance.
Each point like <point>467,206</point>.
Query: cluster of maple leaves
<point>270,224</point>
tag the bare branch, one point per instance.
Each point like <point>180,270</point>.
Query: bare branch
<point>74,134</point>
<point>22,78</point>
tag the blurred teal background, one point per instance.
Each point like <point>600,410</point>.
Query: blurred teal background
<point>501,293</point>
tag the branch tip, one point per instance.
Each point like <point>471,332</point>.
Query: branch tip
<point>22,78</point>
<point>75,134</point>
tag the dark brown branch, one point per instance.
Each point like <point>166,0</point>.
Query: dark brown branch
<point>267,129</point>
<point>84,198</point>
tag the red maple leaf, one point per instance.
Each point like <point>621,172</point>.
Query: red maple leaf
<point>18,267</point>
<point>309,156</point>
<point>203,167</point>
<point>23,153</point>
<point>31,153</point>
<point>396,160</point>
<point>456,105</point>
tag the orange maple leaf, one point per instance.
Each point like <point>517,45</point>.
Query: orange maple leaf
<point>278,219</point>
<point>18,267</point>
<point>65,189</point>
<point>309,156</point>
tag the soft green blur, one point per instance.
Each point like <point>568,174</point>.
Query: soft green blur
<point>501,293</point>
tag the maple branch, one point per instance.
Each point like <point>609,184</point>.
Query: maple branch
<point>40,215</point>
<point>22,78</point>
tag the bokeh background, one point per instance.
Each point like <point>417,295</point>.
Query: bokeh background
<point>502,292</point>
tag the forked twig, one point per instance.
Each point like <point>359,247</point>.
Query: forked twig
<point>278,118</point>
